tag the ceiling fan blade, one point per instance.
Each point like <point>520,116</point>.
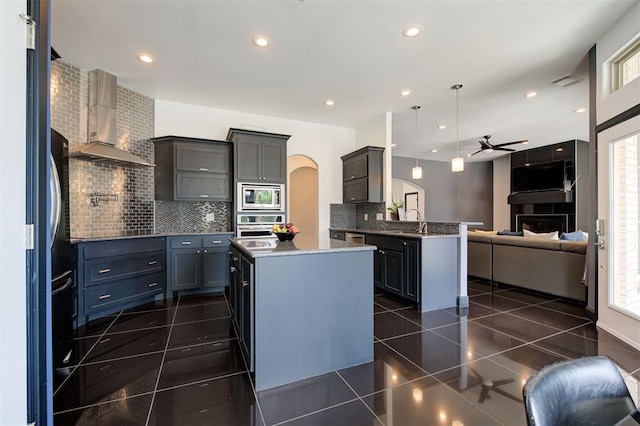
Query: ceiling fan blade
<point>503,382</point>
<point>477,374</point>
<point>484,394</point>
<point>478,151</point>
<point>510,143</point>
<point>504,149</point>
<point>485,144</point>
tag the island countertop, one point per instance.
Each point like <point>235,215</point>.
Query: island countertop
<point>301,245</point>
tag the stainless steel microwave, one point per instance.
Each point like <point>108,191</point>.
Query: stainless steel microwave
<point>255,196</point>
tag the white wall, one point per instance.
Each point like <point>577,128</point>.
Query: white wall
<point>501,189</point>
<point>13,324</point>
<point>378,132</point>
<point>321,143</point>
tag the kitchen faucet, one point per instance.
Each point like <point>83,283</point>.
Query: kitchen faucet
<point>422,226</point>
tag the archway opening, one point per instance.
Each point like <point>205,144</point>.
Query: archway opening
<point>303,209</point>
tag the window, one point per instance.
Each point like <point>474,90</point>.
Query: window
<point>626,67</point>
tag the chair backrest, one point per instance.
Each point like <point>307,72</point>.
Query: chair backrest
<point>584,391</point>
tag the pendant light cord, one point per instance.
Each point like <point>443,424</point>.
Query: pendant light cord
<point>457,124</point>
<point>416,108</point>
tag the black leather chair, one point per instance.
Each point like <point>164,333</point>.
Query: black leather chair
<point>584,391</point>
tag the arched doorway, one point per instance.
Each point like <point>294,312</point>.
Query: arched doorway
<point>412,194</point>
<point>303,194</point>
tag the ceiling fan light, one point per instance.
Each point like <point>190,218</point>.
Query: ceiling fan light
<point>488,150</point>
<point>416,172</point>
<point>457,164</point>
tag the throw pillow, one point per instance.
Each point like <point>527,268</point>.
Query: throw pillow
<point>573,236</point>
<point>542,235</point>
<point>510,233</point>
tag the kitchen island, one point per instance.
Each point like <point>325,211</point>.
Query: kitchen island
<point>301,308</point>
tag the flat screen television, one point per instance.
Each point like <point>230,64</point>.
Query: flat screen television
<point>538,177</point>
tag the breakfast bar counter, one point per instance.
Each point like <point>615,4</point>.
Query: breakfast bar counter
<point>301,308</point>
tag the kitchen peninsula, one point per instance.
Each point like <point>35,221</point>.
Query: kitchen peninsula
<point>301,308</point>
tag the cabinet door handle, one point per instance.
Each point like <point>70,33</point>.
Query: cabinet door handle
<point>235,259</point>
<point>353,177</point>
<point>217,242</point>
<point>233,269</point>
<point>153,284</point>
<point>104,271</point>
<point>245,283</point>
<point>204,169</point>
<point>204,196</point>
<point>153,262</point>
<point>353,198</point>
<point>198,251</point>
<point>104,296</point>
<point>404,243</point>
<point>204,251</point>
<point>381,251</point>
<point>186,243</point>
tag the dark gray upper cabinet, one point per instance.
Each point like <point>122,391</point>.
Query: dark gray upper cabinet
<point>362,175</point>
<point>189,169</point>
<point>258,156</point>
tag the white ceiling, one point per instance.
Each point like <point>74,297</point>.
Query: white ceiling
<point>354,52</point>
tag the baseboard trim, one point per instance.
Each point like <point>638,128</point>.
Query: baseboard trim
<point>618,336</point>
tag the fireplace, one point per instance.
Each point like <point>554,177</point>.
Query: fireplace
<point>542,222</point>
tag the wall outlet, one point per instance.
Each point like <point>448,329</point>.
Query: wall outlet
<point>209,217</point>
<point>379,216</point>
<point>366,216</point>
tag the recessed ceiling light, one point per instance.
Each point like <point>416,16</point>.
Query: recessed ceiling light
<point>143,57</point>
<point>580,110</point>
<point>442,127</point>
<point>405,92</point>
<point>329,102</point>
<point>434,150</point>
<point>261,41</point>
<point>531,94</point>
<point>411,31</point>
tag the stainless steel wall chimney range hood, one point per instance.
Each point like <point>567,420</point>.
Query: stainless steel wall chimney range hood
<point>102,125</point>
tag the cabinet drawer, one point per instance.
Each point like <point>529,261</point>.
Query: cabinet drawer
<point>385,243</point>
<point>212,241</point>
<point>188,241</point>
<point>105,296</point>
<point>120,247</point>
<point>101,270</point>
<point>338,235</point>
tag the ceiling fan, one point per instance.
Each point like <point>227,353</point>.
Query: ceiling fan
<point>486,146</point>
<point>488,386</point>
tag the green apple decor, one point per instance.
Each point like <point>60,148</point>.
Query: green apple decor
<point>285,232</point>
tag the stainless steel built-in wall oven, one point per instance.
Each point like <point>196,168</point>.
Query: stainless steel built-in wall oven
<point>257,225</point>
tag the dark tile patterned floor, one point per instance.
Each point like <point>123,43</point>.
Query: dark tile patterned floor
<point>178,362</point>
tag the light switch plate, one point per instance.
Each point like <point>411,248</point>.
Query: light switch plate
<point>379,216</point>
<point>209,217</point>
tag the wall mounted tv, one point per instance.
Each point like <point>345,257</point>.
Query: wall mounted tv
<point>538,177</point>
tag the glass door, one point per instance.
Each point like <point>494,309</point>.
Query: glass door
<point>618,231</point>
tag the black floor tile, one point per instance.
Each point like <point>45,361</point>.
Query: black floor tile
<point>156,305</point>
<point>125,344</point>
<point>429,351</point>
<point>224,401</point>
<point>349,414</point>
<point>194,333</point>
<point>303,397</point>
<point>478,340</point>
<point>201,299</point>
<point>490,387</point>
<point>481,286</point>
<point>522,296</point>
<point>95,328</point>
<point>551,318</point>
<point>474,311</point>
<point>141,320</point>
<point>431,319</point>
<point>129,411</point>
<point>108,381</point>
<point>390,302</point>
<point>425,402</point>
<point>518,327</point>
<point>569,345</point>
<point>526,357</point>
<point>388,369</point>
<point>567,308</point>
<point>209,311</point>
<point>197,363</point>
<point>627,357</point>
<point>494,301</point>
<point>388,324</point>
<point>379,308</point>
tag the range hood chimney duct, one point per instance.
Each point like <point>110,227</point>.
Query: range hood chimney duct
<point>103,88</point>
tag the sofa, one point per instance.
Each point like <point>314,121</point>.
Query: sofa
<point>555,267</point>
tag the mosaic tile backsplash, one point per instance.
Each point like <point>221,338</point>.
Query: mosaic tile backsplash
<point>132,214</point>
<point>183,216</point>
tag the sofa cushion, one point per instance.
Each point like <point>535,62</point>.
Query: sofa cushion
<point>527,242</point>
<point>543,235</point>
<point>579,247</point>
<point>478,237</point>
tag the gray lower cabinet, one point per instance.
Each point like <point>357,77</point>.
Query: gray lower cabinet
<point>396,265</point>
<point>190,169</point>
<point>198,261</point>
<point>117,274</point>
<point>241,299</point>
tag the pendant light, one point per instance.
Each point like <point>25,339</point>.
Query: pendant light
<point>416,172</point>
<point>457,163</point>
